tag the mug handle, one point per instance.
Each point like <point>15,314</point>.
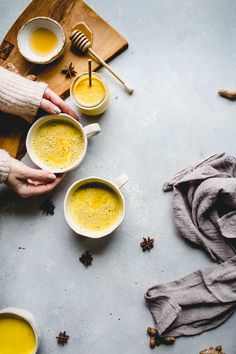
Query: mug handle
<point>92,129</point>
<point>121,180</point>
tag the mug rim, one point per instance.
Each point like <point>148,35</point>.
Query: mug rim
<point>16,312</point>
<point>37,124</point>
<point>60,49</point>
<point>87,233</point>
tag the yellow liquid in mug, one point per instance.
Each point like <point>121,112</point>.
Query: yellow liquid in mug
<point>16,336</point>
<point>89,95</point>
<point>58,144</point>
<point>43,41</point>
<point>95,206</point>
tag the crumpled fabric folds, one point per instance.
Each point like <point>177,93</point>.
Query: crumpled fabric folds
<point>204,209</point>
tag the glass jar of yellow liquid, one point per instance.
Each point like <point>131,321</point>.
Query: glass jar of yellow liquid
<point>91,100</point>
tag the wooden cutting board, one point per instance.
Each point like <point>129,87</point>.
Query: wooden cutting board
<point>107,42</point>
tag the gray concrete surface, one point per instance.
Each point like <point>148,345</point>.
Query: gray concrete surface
<point>180,53</point>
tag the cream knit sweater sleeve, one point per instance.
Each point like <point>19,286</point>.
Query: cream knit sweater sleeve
<point>5,165</point>
<point>20,96</point>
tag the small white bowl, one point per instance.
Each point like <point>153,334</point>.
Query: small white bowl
<point>23,40</point>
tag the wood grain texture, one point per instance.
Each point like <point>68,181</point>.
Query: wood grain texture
<point>107,42</point>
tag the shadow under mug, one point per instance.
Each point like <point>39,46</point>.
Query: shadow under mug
<point>88,131</point>
<point>115,186</point>
<point>27,317</point>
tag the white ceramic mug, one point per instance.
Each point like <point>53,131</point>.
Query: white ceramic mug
<point>28,317</point>
<point>87,131</point>
<point>115,186</point>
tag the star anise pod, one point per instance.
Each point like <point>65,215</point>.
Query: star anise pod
<point>69,71</point>
<point>47,207</point>
<point>86,259</point>
<point>147,243</point>
<point>62,338</point>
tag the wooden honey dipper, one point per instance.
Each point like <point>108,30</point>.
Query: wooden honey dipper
<point>80,41</point>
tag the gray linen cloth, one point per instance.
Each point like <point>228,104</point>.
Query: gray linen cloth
<point>204,207</point>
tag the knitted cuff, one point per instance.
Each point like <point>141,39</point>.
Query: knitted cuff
<point>5,165</point>
<point>20,96</point>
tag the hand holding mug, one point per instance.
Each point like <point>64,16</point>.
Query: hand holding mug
<point>52,103</point>
<point>28,182</point>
